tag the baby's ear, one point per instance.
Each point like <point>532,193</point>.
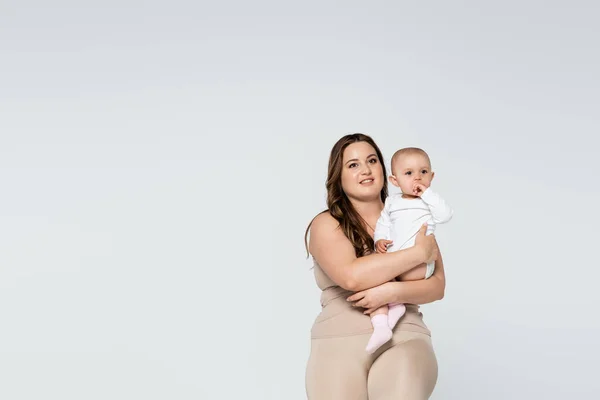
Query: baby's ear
<point>393,180</point>
<point>432,175</point>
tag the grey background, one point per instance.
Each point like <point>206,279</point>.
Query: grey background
<point>159,163</point>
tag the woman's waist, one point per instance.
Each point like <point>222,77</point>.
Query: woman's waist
<point>339,318</point>
<point>332,294</point>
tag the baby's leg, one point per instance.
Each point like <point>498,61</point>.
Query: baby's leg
<point>381,330</point>
<point>396,311</point>
<point>383,310</point>
<point>415,274</point>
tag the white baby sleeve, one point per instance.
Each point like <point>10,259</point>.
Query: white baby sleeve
<point>440,211</point>
<point>382,229</point>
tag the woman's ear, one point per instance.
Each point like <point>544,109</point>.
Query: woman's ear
<point>394,181</point>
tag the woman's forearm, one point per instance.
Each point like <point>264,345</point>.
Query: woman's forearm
<point>375,269</point>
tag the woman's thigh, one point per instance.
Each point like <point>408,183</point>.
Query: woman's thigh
<point>337,369</point>
<point>406,371</point>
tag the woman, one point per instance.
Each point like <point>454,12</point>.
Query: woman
<point>355,282</point>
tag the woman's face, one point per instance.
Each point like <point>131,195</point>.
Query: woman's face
<point>362,174</point>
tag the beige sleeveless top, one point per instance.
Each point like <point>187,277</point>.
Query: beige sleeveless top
<point>339,318</point>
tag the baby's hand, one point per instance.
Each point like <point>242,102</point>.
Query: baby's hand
<point>381,245</point>
<point>418,189</point>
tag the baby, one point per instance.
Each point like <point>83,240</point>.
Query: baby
<point>401,218</point>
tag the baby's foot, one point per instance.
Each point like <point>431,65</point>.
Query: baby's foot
<point>381,333</point>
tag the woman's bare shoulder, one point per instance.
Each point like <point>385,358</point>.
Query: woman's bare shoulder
<point>323,223</point>
<point>325,232</point>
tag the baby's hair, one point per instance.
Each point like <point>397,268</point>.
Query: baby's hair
<point>408,151</point>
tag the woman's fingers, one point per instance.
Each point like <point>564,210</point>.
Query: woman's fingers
<point>427,243</point>
<point>358,300</point>
<point>358,303</point>
<point>356,296</point>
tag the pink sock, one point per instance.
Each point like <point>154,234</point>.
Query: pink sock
<point>396,311</point>
<point>381,333</point>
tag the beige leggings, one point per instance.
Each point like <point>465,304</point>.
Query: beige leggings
<point>339,368</point>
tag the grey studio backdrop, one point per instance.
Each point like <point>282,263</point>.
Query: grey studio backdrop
<point>159,162</point>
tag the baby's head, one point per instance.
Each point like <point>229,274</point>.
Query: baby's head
<point>410,166</point>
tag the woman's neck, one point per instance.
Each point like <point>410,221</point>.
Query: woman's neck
<point>369,210</point>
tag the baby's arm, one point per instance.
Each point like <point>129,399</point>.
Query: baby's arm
<point>440,211</point>
<point>382,229</point>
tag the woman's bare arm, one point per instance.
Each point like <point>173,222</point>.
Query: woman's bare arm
<point>413,292</point>
<point>335,254</point>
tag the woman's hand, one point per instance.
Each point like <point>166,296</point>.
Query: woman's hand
<point>427,244</point>
<point>373,298</point>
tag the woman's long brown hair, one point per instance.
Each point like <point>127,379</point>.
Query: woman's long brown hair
<point>338,203</point>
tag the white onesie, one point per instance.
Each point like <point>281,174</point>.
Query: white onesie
<point>401,220</point>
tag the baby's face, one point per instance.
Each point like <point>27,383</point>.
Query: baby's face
<point>410,169</point>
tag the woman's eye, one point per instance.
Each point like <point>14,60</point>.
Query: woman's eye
<point>352,165</point>
<point>373,160</point>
